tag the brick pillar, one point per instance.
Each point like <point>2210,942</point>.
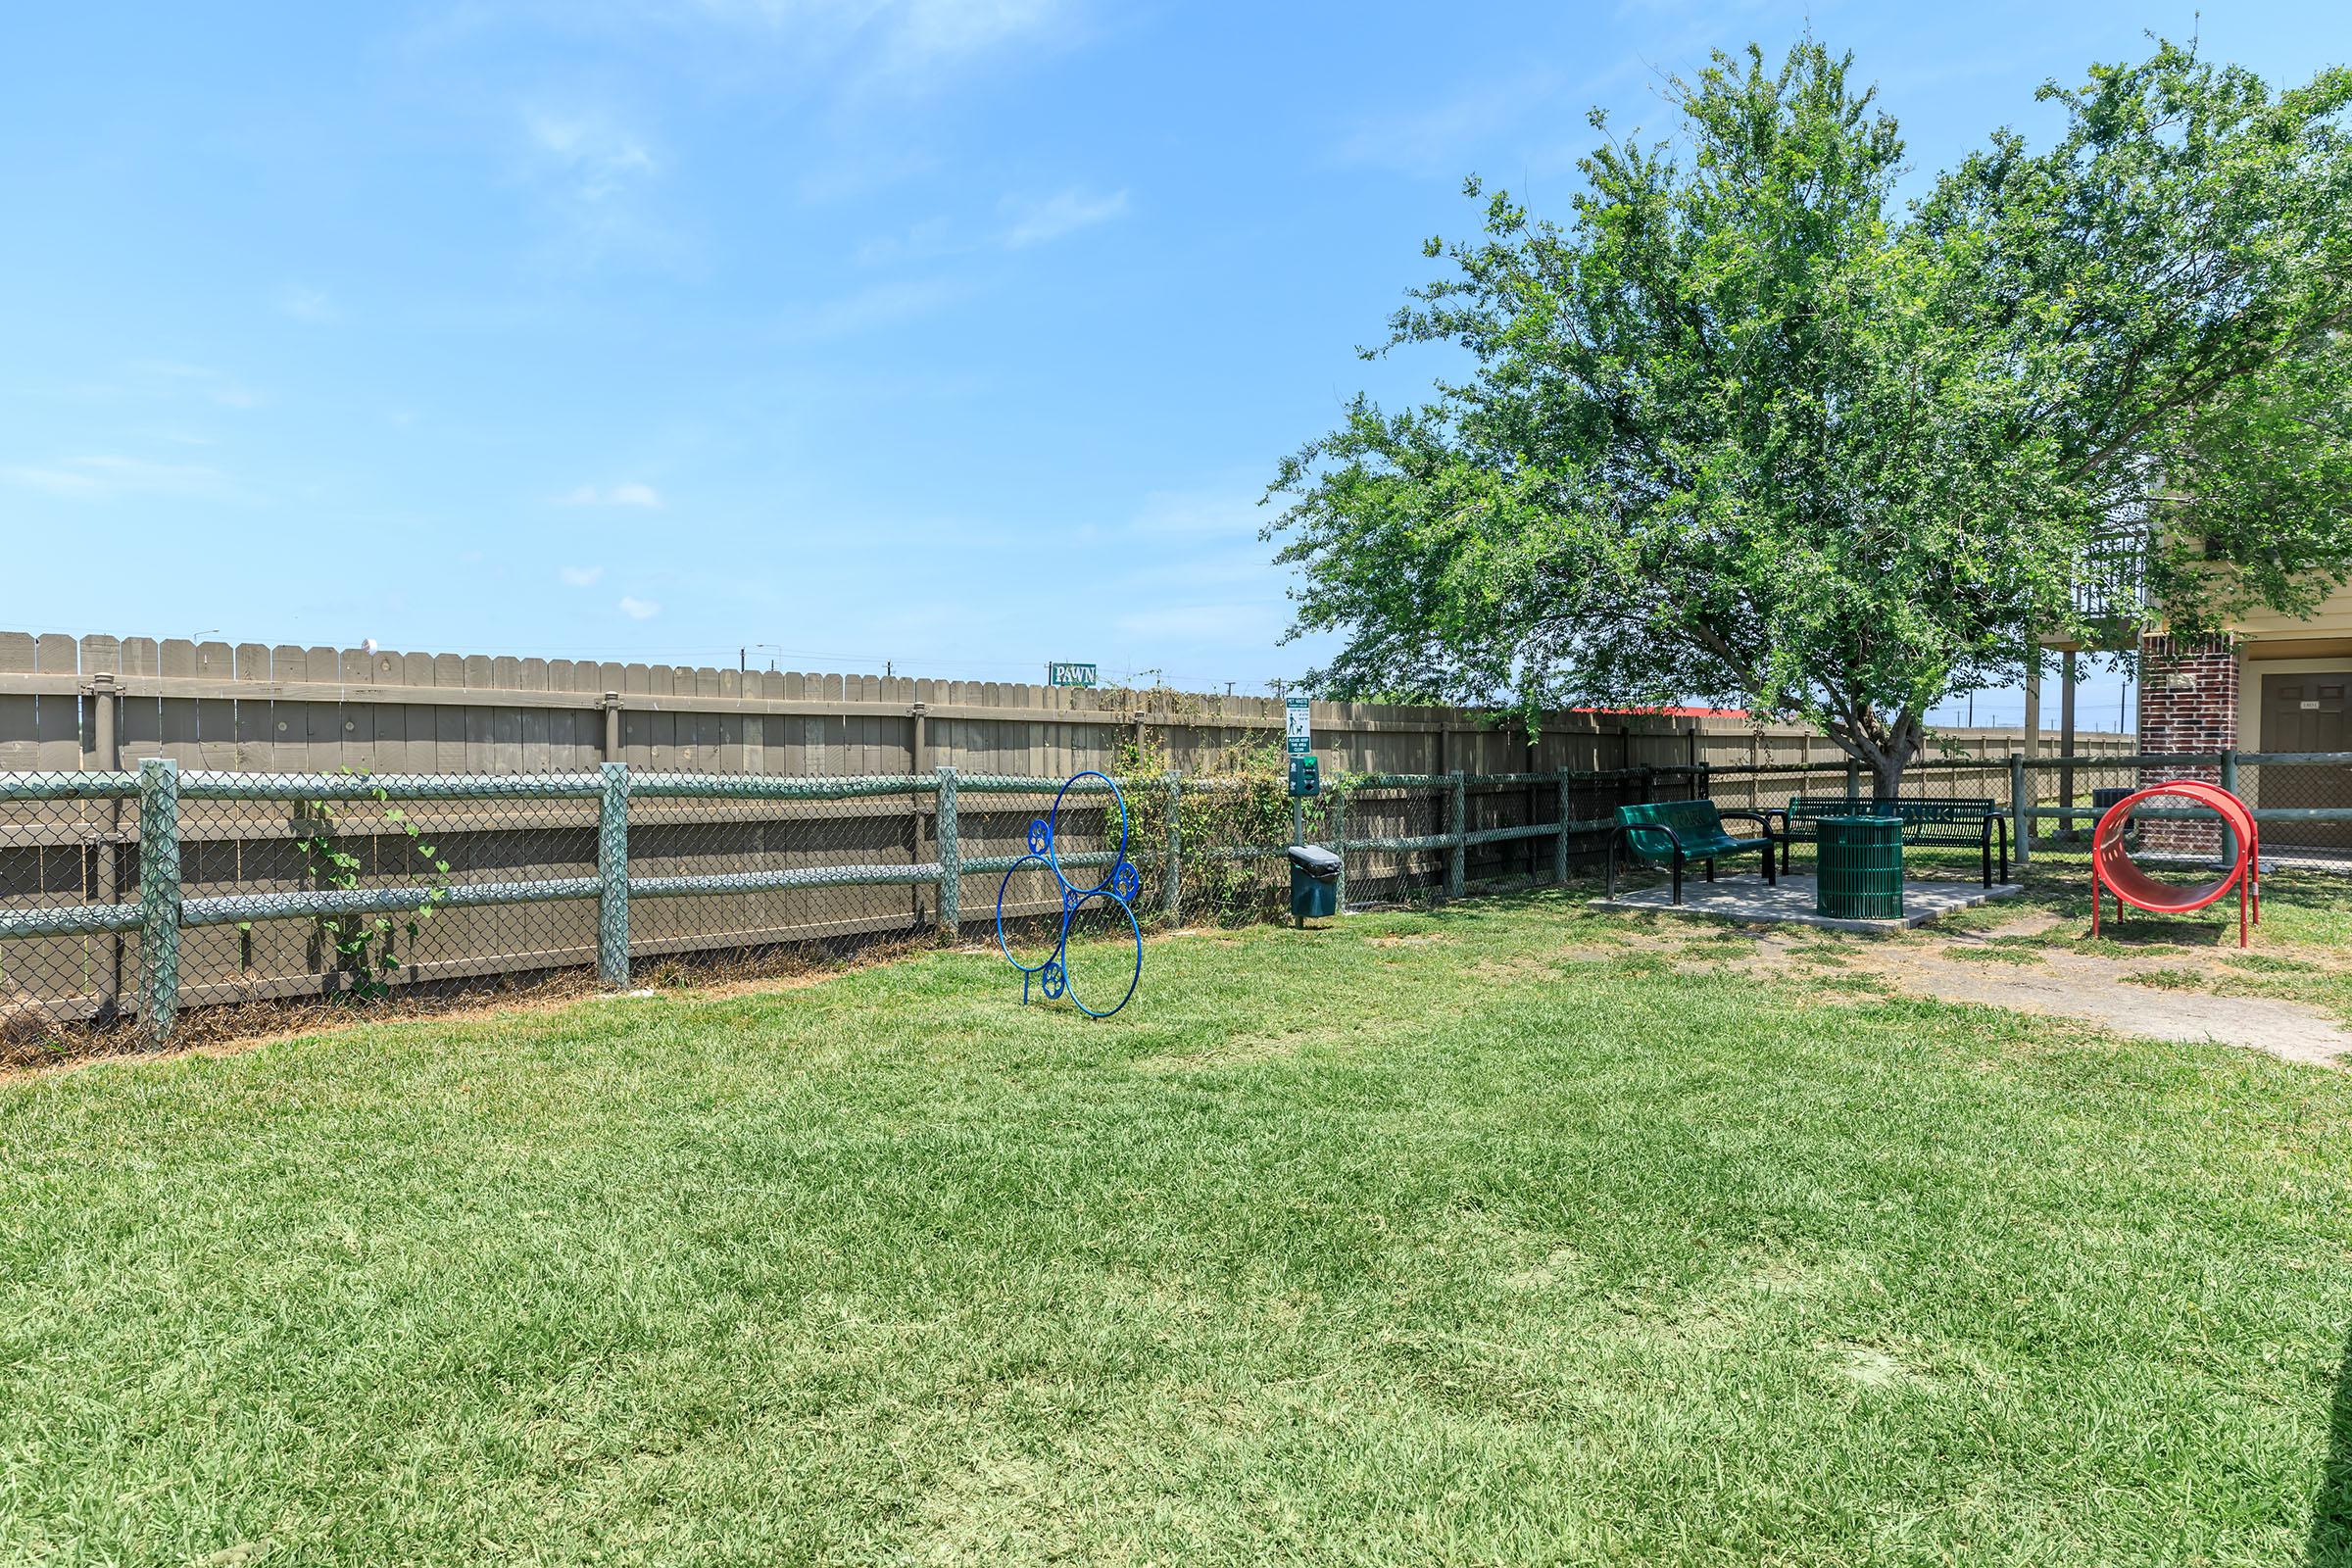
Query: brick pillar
<point>2187,702</point>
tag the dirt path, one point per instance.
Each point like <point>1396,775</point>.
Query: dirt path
<point>2073,985</point>
<point>1977,967</point>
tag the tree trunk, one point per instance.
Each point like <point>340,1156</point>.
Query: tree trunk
<point>1888,774</point>
<point>1884,748</point>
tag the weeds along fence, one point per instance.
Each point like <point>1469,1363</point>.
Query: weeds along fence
<point>128,897</point>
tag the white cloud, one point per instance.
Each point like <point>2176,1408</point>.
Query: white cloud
<point>931,237</point>
<point>630,494</point>
<point>172,378</point>
<point>639,609</point>
<point>914,45</point>
<point>1025,221</point>
<point>1034,222</point>
<point>599,157</point>
<point>947,27</point>
<point>579,576</point>
<point>106,476</point>
<point>862,173</point>
<point>597,178</point>
<point>868,308</point>
<point>306,304</point>
<point>1517,117</point>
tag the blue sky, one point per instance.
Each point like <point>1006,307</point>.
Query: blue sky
<point>958,334</point>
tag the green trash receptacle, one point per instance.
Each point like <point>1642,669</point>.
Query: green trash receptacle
<point>1314,882</point>
<point>1861,867</point>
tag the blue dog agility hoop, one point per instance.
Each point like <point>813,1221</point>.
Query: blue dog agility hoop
<point>1118,888</point>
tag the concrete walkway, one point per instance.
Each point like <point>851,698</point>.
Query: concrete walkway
<point>1745,897</point>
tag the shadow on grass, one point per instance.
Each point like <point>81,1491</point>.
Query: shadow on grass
<point>2331,1508</point>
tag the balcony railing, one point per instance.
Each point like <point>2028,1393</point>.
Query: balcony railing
<point>2111,582</point>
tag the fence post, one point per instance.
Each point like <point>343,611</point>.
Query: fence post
<point>2230,783</point>
<point>951,858</point>
<point>2021,810</point>
<point>1172,898</point>
<point>1559,843</point>
<point>1334,824</point>
<point>159,895</point>
<point>1458,859</point>
<point>2066,739</point>
<point>104,736</point>
<point>612,877</point>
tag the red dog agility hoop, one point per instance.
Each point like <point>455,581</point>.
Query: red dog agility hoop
<point>2111,868</point>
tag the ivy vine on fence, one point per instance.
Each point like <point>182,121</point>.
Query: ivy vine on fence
<point>363,943</point>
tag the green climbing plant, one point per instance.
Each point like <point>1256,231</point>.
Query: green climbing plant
<point>1240,800</point>
<point>363,945</point>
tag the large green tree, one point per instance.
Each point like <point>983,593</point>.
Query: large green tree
<point>1748,426</point>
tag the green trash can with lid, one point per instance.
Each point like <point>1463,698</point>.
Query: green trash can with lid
<point>1861,863</point>
<point>1314,881</point>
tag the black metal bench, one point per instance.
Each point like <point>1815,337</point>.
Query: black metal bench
<point>1980,825</point>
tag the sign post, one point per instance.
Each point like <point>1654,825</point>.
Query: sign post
<point>1298,740</point>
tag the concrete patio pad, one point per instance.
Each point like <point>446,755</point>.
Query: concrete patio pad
<point>1745,897</point>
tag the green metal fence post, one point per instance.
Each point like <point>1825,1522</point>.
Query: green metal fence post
<point>1171,872</point>
<point>2230,783</point>
<point>612,877</point>
<point>159,895</point>
<point>2021,808</point>
<point>1335,827</point>
<point>1559,842</point>
<point>951,858</point>
<point>1458,861</point>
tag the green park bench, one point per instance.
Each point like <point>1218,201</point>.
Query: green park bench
<point>1979,825</point>
<point>1676,833</point>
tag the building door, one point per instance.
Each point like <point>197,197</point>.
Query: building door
<point>2306,713</point>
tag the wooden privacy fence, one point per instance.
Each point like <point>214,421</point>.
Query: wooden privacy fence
<point>239,885</point>
<point>102,702</point>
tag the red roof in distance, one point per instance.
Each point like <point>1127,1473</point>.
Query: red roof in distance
<point>1671,712</point>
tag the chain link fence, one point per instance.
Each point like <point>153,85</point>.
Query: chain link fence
<point>69,858</point>
<point>130,899</point>
<point>2276,784</point>
<point>126,900</point>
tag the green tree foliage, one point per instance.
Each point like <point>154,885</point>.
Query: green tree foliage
<point>1747,427</point>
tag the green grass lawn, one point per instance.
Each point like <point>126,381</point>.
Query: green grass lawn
<point>1489,1236</point>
